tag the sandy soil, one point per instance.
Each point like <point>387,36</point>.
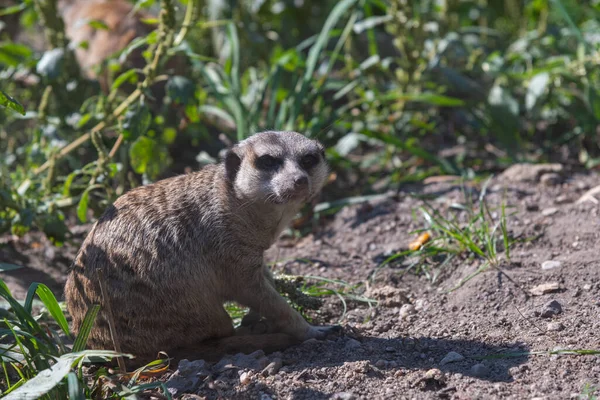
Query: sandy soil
<point>421,341</point>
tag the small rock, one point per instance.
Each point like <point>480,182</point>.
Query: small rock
<point>388,296</point>
<point>390,349</point>
<point>399,373</point>
<point>544,288</point>
<point>531,206</point>
<point>380,364</point>
<point>587,286</point>
<point>550,179</point>
<point>246,378</point>
<point>434,374</point>
<point>273,368</point>
<point>352,344</point>
<point>451,357</point>
<point>406,310</point>
<point>419,304</point>
<point>546,212</point>
<point>529,172</point>
<point>187,367</point>
<point>562,199</point>
<point>555,326</point>
<point>343,396</point>
<point>188,376</point>
<point>551,264</point>
<point>551,309</point>
<point>480,370</point>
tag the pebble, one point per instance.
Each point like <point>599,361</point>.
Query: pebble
<point>188,376</point>
<point>544,288</point>
<point>343,396</point>
<point>273,368</point>
<point>380,364</point>
<point>452,357</point>
<point>246,378</point>
<point>390,349</point>
<point>480,370</point>
<point>406,310</point>
<point>551,264</point>
<point>562,199</point>
<point>551,309</point>
<point>550,179</point>
<point>434,374</point>
<point>555,326</point>
<point>546,212</point>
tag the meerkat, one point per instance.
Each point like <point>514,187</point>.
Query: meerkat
<point>173,252</point>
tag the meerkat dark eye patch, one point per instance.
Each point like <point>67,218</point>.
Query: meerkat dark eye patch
<point>267,162</point>
<point>308,161</point>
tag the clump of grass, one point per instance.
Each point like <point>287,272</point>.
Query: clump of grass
<point>40,359</point>
<point>470,230</point>
<point>589,392</point>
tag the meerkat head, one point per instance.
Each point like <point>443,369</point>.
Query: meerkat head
<point>277,167</point>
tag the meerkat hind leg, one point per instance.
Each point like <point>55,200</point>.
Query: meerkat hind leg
<point>213,350</point>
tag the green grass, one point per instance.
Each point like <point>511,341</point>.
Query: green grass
<point>384,85</point>
<point>468,231</point>
<point>42,360</point>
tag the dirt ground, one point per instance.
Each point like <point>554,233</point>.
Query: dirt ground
<point>421,341</point>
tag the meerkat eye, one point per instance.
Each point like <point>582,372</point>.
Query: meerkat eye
<point>308,161</point>
<point>267,162</point>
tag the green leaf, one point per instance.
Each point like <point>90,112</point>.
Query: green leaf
<point>68,183</point>
<point>13,54</point>
<point>594,101</point>
<point>49,378</point>
<point>180,89</point>
<point>97,24</point>
<point>86,328</point>
<point>137,122</point>
<point>127,76</point>
<point>24,317</point>
<point>75,389</point>
<point>47,297</point>
<point>82,207</point>
<point>13,9</point>
<point>147,156</point>
<point>234,57</point>
<point>9,102</point>
<point>5,267</point>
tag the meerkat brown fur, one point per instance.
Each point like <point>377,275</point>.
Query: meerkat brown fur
<point>172,252</point>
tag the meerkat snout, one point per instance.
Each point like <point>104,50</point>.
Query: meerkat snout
<point>277,167</point>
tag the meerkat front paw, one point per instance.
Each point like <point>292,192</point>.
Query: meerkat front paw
<point>323,332</point>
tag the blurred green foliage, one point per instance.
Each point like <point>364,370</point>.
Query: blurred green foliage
<point>397,90</point>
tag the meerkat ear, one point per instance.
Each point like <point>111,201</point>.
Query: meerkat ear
<point>232,163</point>
<point>321,149</point>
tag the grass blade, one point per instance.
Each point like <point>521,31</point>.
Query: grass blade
<point>74,386</point>
<point>315,51</point>
<point>49,300</point>
<point>86,328</point>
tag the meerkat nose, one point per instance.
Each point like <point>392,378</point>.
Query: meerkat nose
<point>301,181</point>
